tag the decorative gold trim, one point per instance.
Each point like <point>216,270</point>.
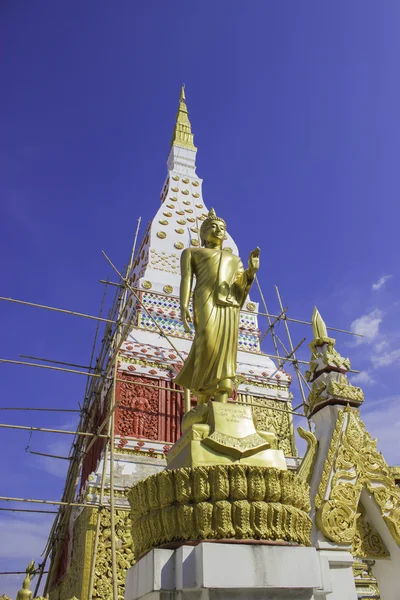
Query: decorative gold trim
<point>161,234</point>
<point>178,245</point>
<point>168,289</point>
<point>367,542</point>
<point>250,305</point>
<point>194,242</point>
<point>147,285</point>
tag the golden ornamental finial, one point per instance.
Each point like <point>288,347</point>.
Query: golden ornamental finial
<point>182,135</point>
<point>318,325</point>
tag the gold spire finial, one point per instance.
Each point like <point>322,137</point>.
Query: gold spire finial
<point>182,135</point>
<point>318,325</point>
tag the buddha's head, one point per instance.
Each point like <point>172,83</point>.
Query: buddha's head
<point>213,230</point>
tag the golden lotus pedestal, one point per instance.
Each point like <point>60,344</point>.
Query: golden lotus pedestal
<point>217,433</point>
<point>224,481</point>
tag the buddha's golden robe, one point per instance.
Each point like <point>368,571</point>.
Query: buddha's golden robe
<point>221,288</point>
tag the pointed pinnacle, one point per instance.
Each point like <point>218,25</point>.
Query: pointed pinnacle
<point>318,325</point>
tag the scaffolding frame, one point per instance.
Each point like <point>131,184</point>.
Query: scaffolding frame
<point>102,378</point>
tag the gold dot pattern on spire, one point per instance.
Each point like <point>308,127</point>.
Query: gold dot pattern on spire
<point>186,180</point>
<point>175,189</point>
<point>167,214</point>
<point>178,245</point>
<point>195,183</point>
<point>196,195</point>
<point>182,134</point>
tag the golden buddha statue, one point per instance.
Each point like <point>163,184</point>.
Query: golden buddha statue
<point>26,593</point>
<point>222,285</point>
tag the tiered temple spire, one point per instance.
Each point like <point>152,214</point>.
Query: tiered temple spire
<point>182,134</point>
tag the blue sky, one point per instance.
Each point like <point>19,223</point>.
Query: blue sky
<point>294,106</point>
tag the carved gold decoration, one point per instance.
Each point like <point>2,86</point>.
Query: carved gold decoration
<point>196,195</point>
<point>179,245</point>
<point>189,210</point>
<point>187,202</point>
<point>191,220</point>
<point>195,183</point>
<point>175,189</point>
<point>279,422</point>
<point>307,464</point>
<point>161,234</point>
<point>352,463</point>
<point>219,502</point>
<point>146,285</point>
<point>163,222</point>
<point>180,231</point>
<point>194,242</point>
<point>174,199</point>
<point>367,542</point>
<point>76,582</point>
<point>168,289</point>
<point>170,205</point>
<point>395,473</point>
<point>250,305</point>
<point>366,582</point>
<point>167,214</point>
<point>180,212</point>
<point>199,205</point>
<point>175,178</point>
<point>185,180</point>
<point>181,221</point>
<point>185,192</point>
<point>194,229</point>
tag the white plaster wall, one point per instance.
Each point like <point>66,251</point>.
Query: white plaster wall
<point>387,571</point>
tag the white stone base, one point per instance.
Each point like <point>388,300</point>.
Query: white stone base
<point>211,571</point>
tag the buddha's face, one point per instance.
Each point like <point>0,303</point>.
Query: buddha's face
<point>214,233</point>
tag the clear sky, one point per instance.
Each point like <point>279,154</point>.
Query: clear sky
<point>295,111</point>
